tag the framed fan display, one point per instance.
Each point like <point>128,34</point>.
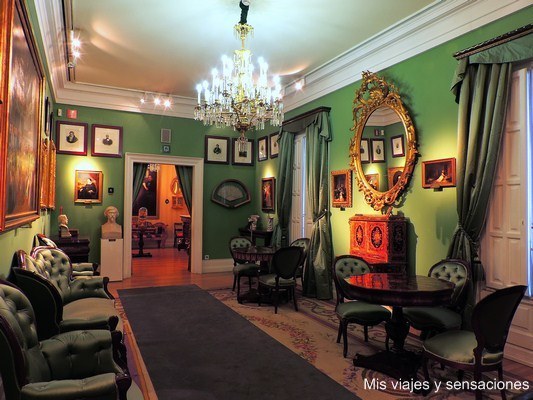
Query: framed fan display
<point>231,193</point>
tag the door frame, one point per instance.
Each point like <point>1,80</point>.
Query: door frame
<point>197,165</point>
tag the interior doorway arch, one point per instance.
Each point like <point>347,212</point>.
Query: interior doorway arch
<point>197,165</point>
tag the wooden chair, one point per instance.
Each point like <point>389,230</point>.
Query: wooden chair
<point>178,234</point>
<point>483,349</point>
<point>241,267</point>
<point>304,244</point>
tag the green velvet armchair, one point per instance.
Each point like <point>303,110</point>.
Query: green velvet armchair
<point>60,303</point>
<point>79,270</point>
<point>73,365</point>
<point>482,349</point>
<point>355,311</point>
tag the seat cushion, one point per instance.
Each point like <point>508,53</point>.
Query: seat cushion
<point>363,312</point>
<point>248,269</point>
<point>434,318</point>
<point>270,280</point>
<point>458,346</point>
<point>90,308</point>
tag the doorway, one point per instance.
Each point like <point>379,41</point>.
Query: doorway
<point>197,165</point>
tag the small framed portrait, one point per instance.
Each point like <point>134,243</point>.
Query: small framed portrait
<point>341,188</point>
<point>378,150</point>
<point>268,190</point>
<point>106,141</point>
<point>216,150</point>
<point>88,186</point>
<point>71,138</point>
<point>438,173</point>
<point>274,145</point>
<point>262,148</point>
<point>373,181</point>
<point>397,146</point>
<point>242,153</point>
<point>393,175</point>
<point>364,151</point>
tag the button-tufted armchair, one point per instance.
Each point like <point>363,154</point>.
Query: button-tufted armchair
<point>73,365</point>
<point>79,270</point>
<point>304,244</point>
<point>355,311</point>
<point>241,267</point>
<point>431,320</point>
<point>60,303</point>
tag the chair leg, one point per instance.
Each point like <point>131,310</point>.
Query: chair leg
<point>294,297</point>
<point>365,329</point>
<point>500,377</point>
<point>238,286</point>
<point>339,334</point>
<point>234,283</point>
<point>387,342</point>
<point>345,336</point>
<point>250,282</point>
<point>477,378</point>
<point>425,368</point>
<point>276,300</point>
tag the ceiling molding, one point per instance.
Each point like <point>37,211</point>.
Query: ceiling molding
<point>432,26</point>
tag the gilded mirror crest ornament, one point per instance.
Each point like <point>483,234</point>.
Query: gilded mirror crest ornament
<point>381,123</point>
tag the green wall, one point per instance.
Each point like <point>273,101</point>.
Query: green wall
<point>424,84</point>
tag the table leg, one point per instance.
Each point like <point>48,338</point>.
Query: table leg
<point>141,253</point>
<point>397,329</point>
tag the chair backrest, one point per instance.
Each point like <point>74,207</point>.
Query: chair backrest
<point>41,240</point>
<point>492,317</point>
<point>457,272</point>
<point>345,266</point>
<point>22,360</point>
<point>238,242</point>
<point>58,266</point>
<point>286,261</point>
<point>304,244</point>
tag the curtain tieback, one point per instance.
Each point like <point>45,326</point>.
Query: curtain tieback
<point>467,235</point>
<point>320,216</point>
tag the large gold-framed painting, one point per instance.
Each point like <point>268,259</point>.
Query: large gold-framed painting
<point>22,84</point>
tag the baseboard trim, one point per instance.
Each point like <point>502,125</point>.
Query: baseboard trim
<point>217,265</point>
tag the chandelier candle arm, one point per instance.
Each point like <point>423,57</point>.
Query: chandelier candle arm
<point>237,98</point>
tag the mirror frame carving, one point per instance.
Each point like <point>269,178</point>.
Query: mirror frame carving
<point>376,92</point>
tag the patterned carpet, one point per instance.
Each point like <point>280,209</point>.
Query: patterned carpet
<point>311,333</point>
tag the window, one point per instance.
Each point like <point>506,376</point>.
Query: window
<point>301,222</point>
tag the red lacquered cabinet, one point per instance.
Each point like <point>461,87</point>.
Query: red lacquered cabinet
<point>381,240</point>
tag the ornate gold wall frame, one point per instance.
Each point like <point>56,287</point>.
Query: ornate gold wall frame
<point>379,100</point>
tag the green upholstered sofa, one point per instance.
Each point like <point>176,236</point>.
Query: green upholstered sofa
<point>72,365</point>
<point>60,302</point>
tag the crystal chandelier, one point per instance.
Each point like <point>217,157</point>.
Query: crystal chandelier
<point>236,98</point>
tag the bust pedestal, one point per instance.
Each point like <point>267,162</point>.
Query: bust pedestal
<point>111,254</point>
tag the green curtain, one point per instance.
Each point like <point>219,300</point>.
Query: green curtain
<point>481,87</point>
<point>317,277</point>
<point>280,237</point>
<point>184,175</point>
<point>139,172</point>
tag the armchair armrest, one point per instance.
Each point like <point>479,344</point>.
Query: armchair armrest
<point>100,322</point>
<point>84,267</point>
<point>98,387</point>
<point>76,354</point>
<point>90,287</point>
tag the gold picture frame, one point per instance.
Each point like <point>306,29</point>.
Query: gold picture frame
<point>88,186</point>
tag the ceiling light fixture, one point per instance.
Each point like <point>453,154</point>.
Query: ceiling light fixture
<point>236,98</point>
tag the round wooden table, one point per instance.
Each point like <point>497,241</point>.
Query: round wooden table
<point>398,291</point>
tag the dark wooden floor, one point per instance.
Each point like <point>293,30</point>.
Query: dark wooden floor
<point>169,267</point>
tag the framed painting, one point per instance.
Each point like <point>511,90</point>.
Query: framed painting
<point>364,152</point>
<point>341,188</point>
<point>71,138</point>
<point>262,148</point>
<point>378,150</point>
<point>216,150</point>
<point>88,186</point>
<point>274,145</point>
<point>438,173</point>
<point>373,180</point>
<point>106,141</point>
<point>148,195</point>
<point>397,146</point>
<point>268,191</point>
<point>394,175</point>
<point>45,173</point>
<point>242,154</point>
<point>52,176</point>
<point>21,117</point>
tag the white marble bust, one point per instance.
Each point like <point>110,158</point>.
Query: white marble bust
<point>63,226</point>
<point>111,230</point>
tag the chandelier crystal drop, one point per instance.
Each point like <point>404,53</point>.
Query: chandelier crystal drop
<point>237,97</point>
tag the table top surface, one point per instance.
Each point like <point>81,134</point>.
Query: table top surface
<point>399,289</point>
<point>263,250</point>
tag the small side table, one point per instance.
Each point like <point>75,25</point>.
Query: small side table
<point>76,247</point>
<point>265,235</point>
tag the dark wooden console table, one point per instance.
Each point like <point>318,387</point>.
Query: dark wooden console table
<point>265,235</point>
<point>76,247</point>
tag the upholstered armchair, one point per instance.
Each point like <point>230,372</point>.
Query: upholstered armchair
<point>79,270</point>
<point>482,349</point>
<point>62,304</point>
<point>432,320</point>
<point>284,264</point>
<point>354,311</point>
<point>304,244</point>
<point>73,365</point>
<point>241,267</point>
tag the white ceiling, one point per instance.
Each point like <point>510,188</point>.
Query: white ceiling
<point>167,46</point>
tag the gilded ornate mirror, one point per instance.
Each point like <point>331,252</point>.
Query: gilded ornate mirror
<point>383,150</point>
